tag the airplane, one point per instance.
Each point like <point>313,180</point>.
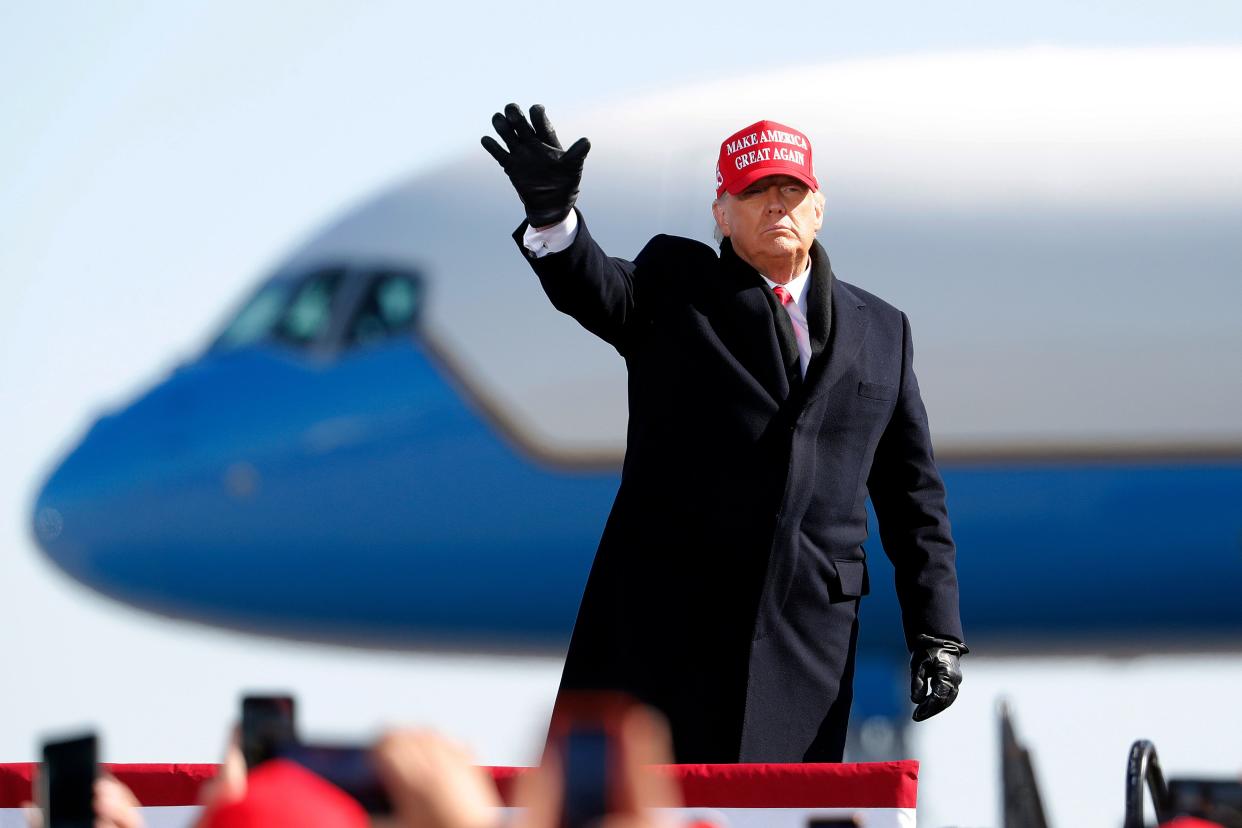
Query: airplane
<point>396,441</point>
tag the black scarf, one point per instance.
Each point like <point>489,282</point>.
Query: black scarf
<point>819,310</point>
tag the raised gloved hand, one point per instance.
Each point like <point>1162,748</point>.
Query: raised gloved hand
<point>545,176</point>
<point>934,674</point>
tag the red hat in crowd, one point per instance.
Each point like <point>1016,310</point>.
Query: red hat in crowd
<point>282,794</point>
<point>761,149</point>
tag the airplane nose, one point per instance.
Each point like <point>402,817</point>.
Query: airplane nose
<point>263,498</point>
<point>105,488</point>
<point>48,523</point>
<point>83,496</point>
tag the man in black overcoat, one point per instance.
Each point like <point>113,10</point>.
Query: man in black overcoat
<point>767,400</point>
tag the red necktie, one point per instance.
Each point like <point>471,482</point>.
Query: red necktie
<point>793,366</point>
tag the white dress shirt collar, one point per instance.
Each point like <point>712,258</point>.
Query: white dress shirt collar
<point>796,286</point>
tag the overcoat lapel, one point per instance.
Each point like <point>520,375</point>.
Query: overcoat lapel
<point>835,315</point>
<point>748,326</point>
<point>786,340</point>
<point>819,305</point>
<point>838,327</point>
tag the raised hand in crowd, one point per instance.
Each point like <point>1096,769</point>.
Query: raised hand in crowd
<point>433,782</point>
<point>642,740</point>
<point>227,786</point>
<point>115,806</point>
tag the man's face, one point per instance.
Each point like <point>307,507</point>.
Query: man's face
<point>773,219</point>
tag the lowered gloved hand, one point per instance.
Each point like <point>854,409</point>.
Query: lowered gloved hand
<point>545,176</point>
<point>934,674</point>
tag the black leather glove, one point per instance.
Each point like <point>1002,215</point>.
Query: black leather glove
<point>545,176</point>
<point>934,674</point>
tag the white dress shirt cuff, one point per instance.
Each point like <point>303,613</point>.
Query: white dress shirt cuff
<point>552,239</point>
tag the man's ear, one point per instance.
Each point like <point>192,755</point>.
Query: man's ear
<point>722,218</point>
<point>819,209</point>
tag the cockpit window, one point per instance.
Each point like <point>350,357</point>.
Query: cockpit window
<point>309,312</point>
<point>329,306</point>
<point>256,319</point>
<point>296,312</point>
<point>389,307</point>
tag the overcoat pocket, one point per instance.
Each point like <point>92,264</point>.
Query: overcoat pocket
<point>851,580</point>
<point>875,391</point>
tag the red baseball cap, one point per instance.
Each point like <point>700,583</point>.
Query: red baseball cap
<point>761,149</point>
<point>281,794</point>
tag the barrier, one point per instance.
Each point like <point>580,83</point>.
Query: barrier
<point>873,794</point>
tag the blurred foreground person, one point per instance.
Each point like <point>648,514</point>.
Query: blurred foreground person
<point>642,740</point>
<point>429,779</point>
<point>432,783</point>
<point>767,401</point>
